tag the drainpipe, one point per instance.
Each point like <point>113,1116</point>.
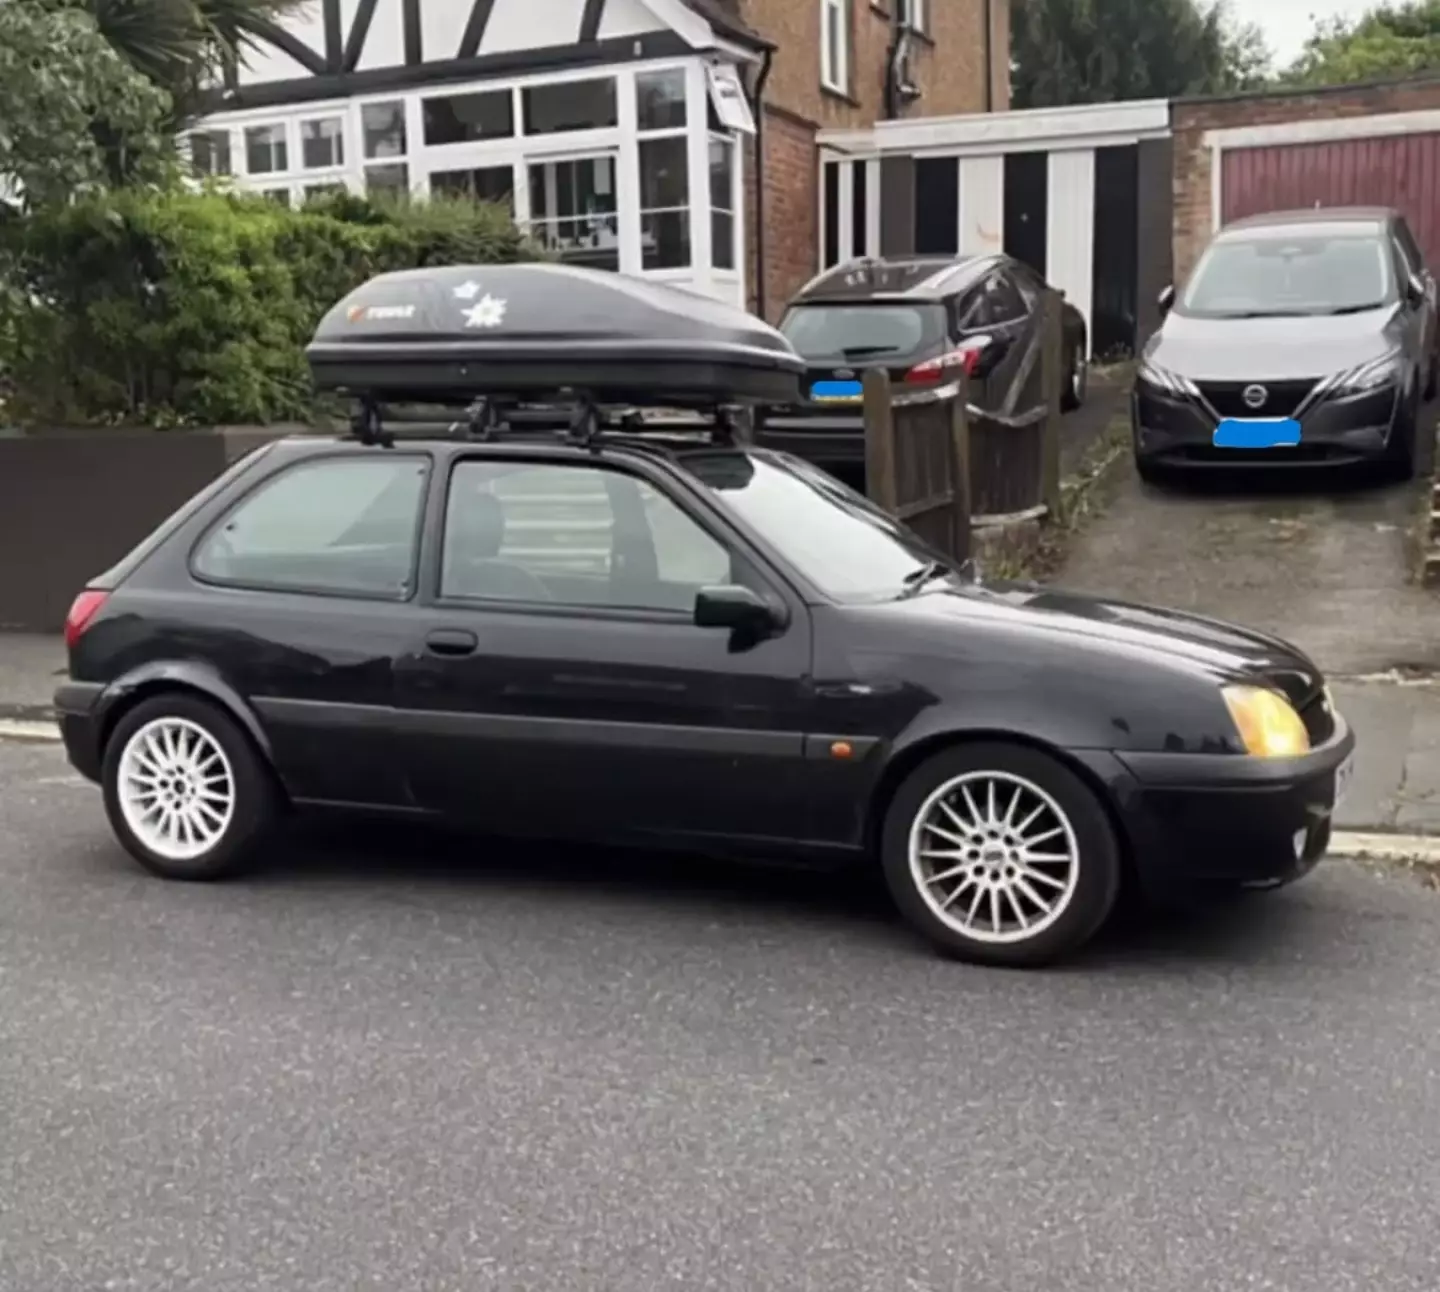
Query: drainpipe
<point>757,110</point>
<point>989,56</point>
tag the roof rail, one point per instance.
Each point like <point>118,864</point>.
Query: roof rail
<point>571,417</point>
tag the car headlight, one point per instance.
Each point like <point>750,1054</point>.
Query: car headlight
<point>1384,371</point>
<point>1162,379</point>
<point>1267,722</point>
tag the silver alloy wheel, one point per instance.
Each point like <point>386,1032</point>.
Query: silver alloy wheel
<point>994,856</point>
<point>176,789</point>
<point>1077,380</point>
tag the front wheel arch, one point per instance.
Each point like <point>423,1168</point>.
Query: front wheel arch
<point>908,759</point>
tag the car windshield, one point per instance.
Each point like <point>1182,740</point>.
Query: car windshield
<point>1273,277</point>
<point>864,330</point>
<point>836,538</point>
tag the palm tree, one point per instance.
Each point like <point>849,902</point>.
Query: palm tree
<point>181,44</point>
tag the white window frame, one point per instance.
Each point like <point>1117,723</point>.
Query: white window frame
<point>835,78</point>
<point>914,14</point>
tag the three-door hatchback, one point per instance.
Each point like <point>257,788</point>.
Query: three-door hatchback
<point>550,619</point>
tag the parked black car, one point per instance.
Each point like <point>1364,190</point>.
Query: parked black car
<point>913,317</point>
<point>590,632</point>
<point>1302,337</point>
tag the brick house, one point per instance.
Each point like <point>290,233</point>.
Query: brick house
<point>638,135</point>
<point>832,70</point>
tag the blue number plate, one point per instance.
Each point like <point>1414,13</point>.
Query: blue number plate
<point>1259,433</point>
<point>837,392</point>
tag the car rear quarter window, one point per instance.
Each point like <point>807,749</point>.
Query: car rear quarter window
<point>344,526</point>
<point>578,536</point>
<point>864,330</point>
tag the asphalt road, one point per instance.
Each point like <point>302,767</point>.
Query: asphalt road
<point>402,1065</point>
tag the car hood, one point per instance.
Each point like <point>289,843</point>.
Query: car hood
<point>1223,651</point>
<point>1273,349</point>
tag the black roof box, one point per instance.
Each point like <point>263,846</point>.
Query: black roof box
<point>456,332</point>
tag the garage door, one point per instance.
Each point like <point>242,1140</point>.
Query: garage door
<point>1402,171</point>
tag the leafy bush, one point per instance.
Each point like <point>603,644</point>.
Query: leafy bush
<point>183,308</point>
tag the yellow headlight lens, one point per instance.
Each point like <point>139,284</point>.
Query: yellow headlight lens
<point>1267,722</point>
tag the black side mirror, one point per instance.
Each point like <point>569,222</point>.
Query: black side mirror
<point>1166,299</point>
<point>733,606</point>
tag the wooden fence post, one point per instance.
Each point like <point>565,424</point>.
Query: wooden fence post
<point>880,482</point>
<point>960,468</point>
<point>1052,362</point>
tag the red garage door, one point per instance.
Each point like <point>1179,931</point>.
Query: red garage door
<point>1402,171</point>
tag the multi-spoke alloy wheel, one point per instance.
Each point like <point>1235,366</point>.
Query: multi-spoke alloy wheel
<point>177,790</point>
<point>185,790</point>
<point>1001,854</point>
<point>994,856</point>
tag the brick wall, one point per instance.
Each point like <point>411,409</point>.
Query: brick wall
<point>1190,119</point>
<point>791,210</point>
<point>948,67</point>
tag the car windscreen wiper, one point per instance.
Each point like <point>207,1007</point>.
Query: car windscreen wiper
<point>914,583</point>
<point>1356,309</point>
<point>1268,314</point>
<point>860,351</point>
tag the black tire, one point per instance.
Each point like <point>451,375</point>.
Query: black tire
<point>255,797</point>
<point>1400,452</point>
<point>1151,472</point>
<point>1094,879</point>
<point>1072,393</point>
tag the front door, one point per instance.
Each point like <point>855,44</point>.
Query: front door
<point>558,684</point>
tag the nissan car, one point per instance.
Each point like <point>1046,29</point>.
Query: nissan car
<point>1300,338</point>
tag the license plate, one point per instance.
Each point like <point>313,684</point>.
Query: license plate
<point>837,392</point>
<point>1344,774</point>
<point>1257,433</point>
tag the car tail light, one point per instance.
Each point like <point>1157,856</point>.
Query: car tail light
<point>82,611</point>
<point>932,370</point>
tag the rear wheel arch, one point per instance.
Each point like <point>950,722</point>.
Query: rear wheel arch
<point>899,768</point>
<point>189,681</point>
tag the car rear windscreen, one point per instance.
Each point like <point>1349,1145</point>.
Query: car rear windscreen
<point>865,332</point>
<point>1274,276</point>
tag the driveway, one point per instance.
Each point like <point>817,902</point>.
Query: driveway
<point>1323,562</point>
<point>396,1063</point>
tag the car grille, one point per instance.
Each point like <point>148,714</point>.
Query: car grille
<point>1282,398</point>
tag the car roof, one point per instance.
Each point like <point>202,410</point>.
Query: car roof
<point>907,278</point>
<point>1312,217</point>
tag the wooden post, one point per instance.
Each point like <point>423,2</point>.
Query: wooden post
<point>880,484</point>
<point>960,469</point>
<point>1052,364</point>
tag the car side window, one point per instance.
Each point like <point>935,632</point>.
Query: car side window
<point>339,526</point>
<point>570,535</point>
<point>970,311</point>
<point>1004,303</point>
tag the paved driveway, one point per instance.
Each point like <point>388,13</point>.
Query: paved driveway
<point>1320,560</point>
<point>402,1066</point>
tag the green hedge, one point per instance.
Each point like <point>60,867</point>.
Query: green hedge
<point>173,309</point>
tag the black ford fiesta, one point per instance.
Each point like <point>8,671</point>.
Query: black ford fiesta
<point>588,631</point>
<point>1301,337</point>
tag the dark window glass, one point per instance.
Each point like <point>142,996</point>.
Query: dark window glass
<point>265,150</point>
<point>572,210</point>
<point>865,330</point>
<point>322,143</point>
<point>570,105</point>
<point>464,118</point>
<point>664,173</point>
<point>393,178</point>
<point>341,526</point>
<point>210,152</point>
<point>660,100</point>
<point>859,208</point>
<point>484,184</point>
<point>383,127</point>
<point>1003,303</point>
<point>832,214</point>
<point>572,535</point>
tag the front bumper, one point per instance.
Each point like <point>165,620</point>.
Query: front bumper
<point>1177,431</point>
<point>77,712</point>
<point>1196,820</point>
